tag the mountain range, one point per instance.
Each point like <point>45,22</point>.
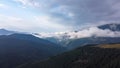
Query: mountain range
<point>107,33</point>
<point>18,49</point>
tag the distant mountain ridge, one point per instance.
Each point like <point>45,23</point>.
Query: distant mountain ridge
<point>112,27</point>
<point>107,33</point>
<point>18,49</point>
<point>92,40</point>
<point>6,32</point>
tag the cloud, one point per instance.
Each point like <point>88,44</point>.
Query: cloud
<point>85,33</point>
<point>11,22</point>
<point>80,12</point>
<point>93,11</point>
<point>94,31</point>
<point>48,22</point>
<point>36,24</point>
<point>29,3</point>
<point>3,6</point>
<point>50,8</point>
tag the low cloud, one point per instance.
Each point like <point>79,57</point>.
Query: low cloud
<point>94,31</point>
<point>90,32</point>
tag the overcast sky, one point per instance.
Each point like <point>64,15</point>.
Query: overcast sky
<point>56,15</point>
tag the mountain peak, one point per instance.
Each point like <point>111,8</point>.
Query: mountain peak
<point>112,27</point>
<point>3,29</point>
<point>5,32</point>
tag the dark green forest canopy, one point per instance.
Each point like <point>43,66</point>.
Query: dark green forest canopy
<point>101,56</point>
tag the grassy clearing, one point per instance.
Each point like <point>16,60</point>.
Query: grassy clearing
<point>110,46</point>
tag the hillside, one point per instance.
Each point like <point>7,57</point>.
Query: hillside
<point>84,57</point>
<point>20,49</point>
<point>92,40</point>
<point>117,46</point>
<point>6,32</point>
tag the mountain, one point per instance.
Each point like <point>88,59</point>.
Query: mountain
<point>58,38</point>
<point>19,49</point>
<point>30,37</point>
<point>92,40</point>
<point>6,32</point>
<point>107,33</point>
<point>112,27</point>
<point>89,56</point>
<point>62,40</point>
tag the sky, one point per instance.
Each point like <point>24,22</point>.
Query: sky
<point>57,15</point>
